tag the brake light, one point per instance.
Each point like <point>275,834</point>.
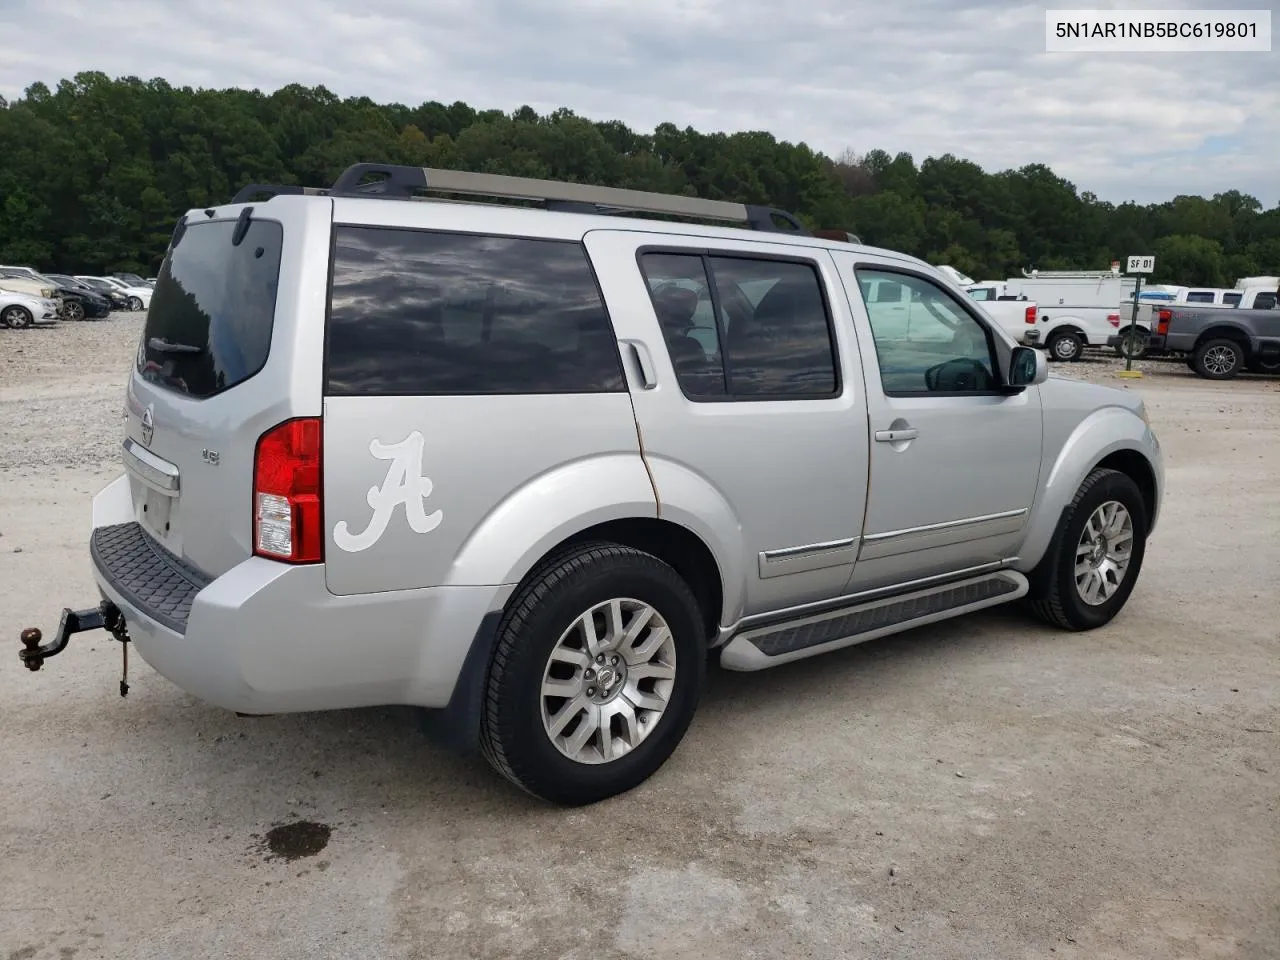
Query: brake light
<point>1162,321</point>
<point>1031,314</point>
<point>287,519</point>
<point>1113,319</point>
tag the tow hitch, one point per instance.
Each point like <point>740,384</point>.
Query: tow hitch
<point>105,616</point>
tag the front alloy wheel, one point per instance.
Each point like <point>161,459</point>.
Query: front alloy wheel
<point>1092,564</point>
<point>1103,553</point>
<point>72,310</point>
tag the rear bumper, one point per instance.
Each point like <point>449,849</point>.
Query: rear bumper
<point>268,637</point>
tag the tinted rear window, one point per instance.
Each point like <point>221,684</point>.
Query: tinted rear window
<point>425,313</point>
<point>209,325</point>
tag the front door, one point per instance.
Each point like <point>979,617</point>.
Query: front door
<point>954,460</point>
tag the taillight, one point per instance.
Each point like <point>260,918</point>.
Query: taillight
<point>1031,315</point>
<point>1162,321</point>
<point>1113,319</point>
<point>287,520</point>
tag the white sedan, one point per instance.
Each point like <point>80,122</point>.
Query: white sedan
<point>19,309</point>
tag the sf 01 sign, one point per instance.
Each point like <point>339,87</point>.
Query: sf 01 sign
<point>1141,265</point>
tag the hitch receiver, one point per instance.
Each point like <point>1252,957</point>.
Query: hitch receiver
<point>105,616</point>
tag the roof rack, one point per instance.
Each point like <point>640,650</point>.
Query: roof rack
<point>394,182</point>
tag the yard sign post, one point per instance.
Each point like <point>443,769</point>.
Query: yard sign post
<point>1139,266</point>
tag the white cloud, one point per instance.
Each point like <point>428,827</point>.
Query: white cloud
<point>929,76</point>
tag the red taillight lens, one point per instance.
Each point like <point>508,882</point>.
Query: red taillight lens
<point>1031,315</point>
<point>1162,321</point>
<point>1113,319</point>
<point>287,520</point>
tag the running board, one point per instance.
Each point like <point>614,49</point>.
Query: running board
<point>778,643</point>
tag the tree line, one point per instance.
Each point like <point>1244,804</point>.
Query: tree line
<point>94,174</point>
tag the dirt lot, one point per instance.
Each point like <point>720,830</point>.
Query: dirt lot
<point>982,789</point>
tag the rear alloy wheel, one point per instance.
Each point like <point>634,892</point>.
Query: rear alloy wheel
<point>1093,562</point>
<point>598,667</point>
<point>135,304</point>
<point>16,317</point>
<point>1065,346</point>
<point>72,310</point>
<point>1218,359</point>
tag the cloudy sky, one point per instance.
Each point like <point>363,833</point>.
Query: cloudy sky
<point>925,76</point>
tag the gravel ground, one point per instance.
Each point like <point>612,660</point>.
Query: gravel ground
<point>984,789</point>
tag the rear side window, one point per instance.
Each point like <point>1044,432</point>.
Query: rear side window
<point>1200,296</point>
<point>1264,301</point>
<point>425,313</point>
<point>209,324</point>
<point>1231,299</point>
<point>743,327</point>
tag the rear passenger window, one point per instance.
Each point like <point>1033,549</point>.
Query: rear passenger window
<point>1200,296</point>
<point>425,313</point>
<point>743,327</point>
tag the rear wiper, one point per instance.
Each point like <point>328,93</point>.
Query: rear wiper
<point>160,345</point>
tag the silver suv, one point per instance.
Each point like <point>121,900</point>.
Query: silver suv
<point>530,463</point>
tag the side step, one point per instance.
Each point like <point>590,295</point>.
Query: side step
<point>778,643</point>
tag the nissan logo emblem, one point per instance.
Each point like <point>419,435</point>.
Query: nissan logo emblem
<point>148,426</point>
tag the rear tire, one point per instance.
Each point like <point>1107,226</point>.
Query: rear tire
<point>1065,346</point>
<point>546,691</point>
<point>16,317</point>
<point>1094,559</point>
<point>1219,359</point>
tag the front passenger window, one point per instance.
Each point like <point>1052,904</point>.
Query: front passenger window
<point>926,343</point>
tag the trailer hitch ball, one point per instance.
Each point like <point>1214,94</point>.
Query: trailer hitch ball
<point>31,638</point>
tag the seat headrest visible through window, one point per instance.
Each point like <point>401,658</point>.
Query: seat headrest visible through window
<point>675,307</point>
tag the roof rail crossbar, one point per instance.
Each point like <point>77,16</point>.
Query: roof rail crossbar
<point>266,191</point>
<point>406,182</point>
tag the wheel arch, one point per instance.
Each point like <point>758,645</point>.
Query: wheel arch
<point>1225,331</point>
<point>1112,437</point>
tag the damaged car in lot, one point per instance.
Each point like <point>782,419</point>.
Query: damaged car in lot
<point>528,469</point>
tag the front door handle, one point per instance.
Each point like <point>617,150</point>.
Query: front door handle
<point>895,436</point>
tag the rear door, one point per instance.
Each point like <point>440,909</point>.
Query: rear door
<point>754,423</point>
<point>223,356</point>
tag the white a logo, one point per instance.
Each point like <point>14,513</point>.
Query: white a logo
<point>404,484</point>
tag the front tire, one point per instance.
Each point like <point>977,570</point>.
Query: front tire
<point>599,664</point>
<point>72,310</point>
<point>1139,350</point>
<point>16,317</point>
<point>135,304</point>
<point>1065,346</point>
<point>1095,556</point>
<point>1219,359</point>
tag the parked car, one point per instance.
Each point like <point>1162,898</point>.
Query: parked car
<point>19,310</point>
<point>114,300</point>
<point>530,468</point>
<point>119,299</point>
<point>1220,343</point>
<point>78,301</point>
<point>130,279</point>
<point>21,281</point>
<point>136,297</point>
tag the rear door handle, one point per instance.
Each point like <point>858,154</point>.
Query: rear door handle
<point>893,436</point>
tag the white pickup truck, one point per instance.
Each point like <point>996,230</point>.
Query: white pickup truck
<point>893,301</point>
<point>1063,335</point>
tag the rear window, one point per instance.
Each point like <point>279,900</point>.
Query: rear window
<point>423,313</point>
<point>209,325</point>
<point>1200,296</point>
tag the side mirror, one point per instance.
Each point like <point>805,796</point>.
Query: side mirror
<point>1028,367</point>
